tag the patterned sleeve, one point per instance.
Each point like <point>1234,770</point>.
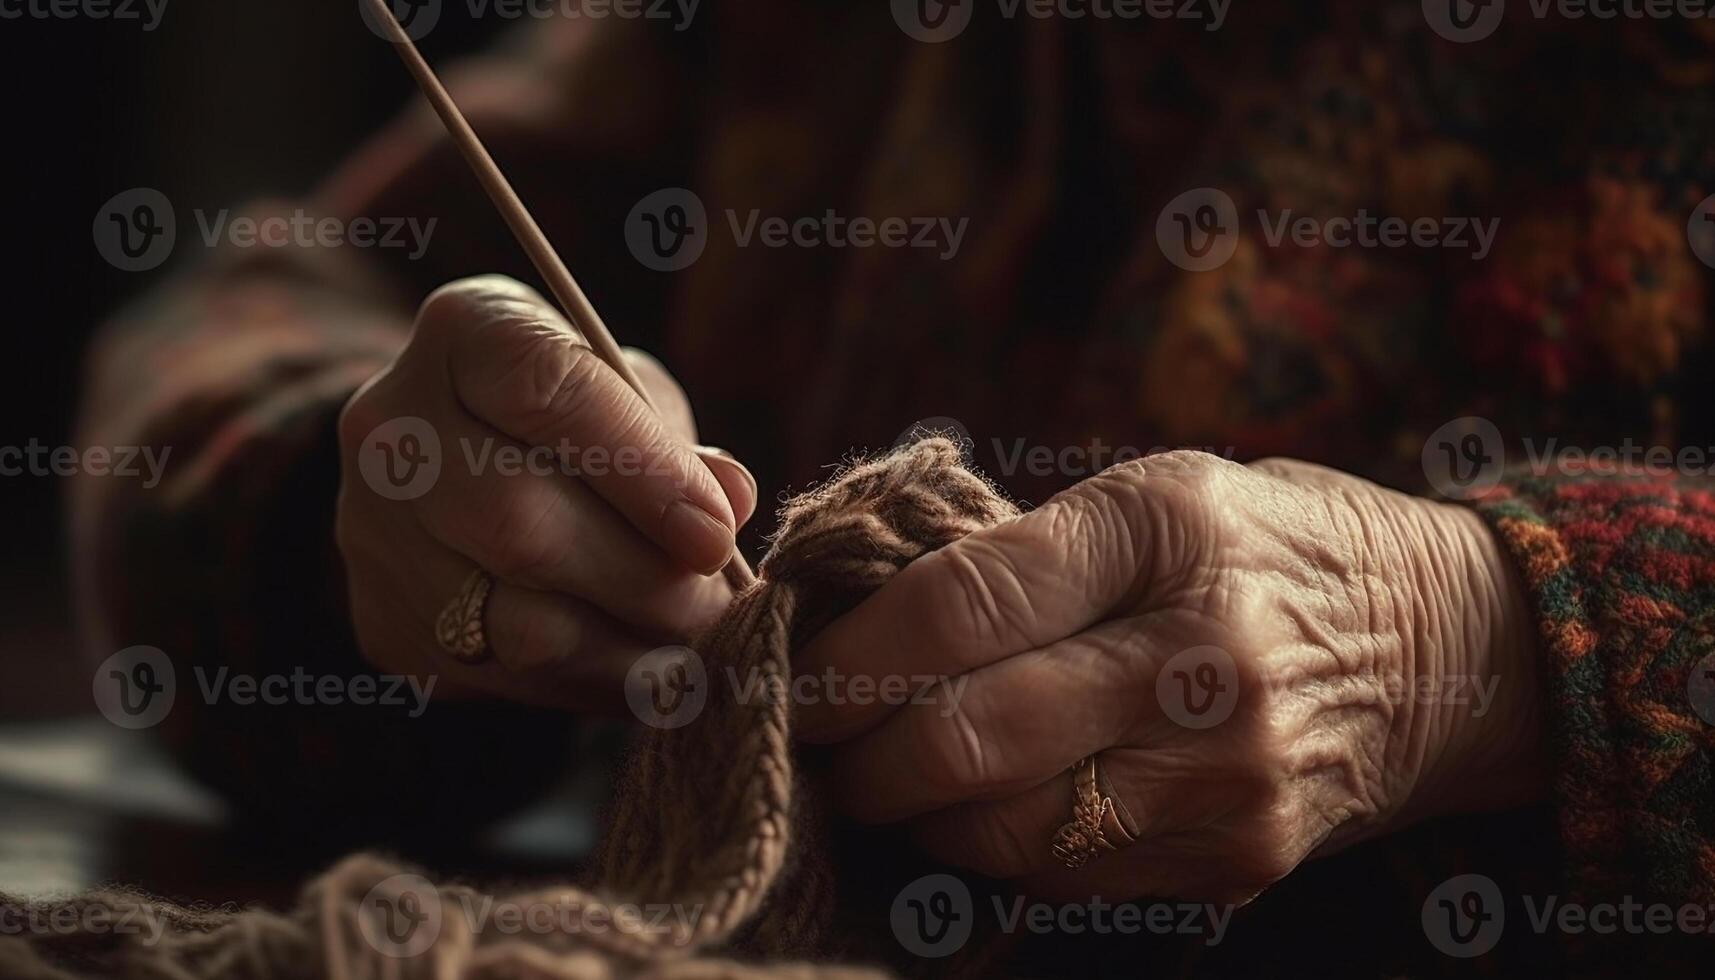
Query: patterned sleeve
<point>1621,571</point>
<point>233,376</point>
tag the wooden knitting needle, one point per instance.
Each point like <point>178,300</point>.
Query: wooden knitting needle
<point>574,303</point>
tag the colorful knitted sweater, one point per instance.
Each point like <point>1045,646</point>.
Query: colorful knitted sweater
<point>1057,321</point>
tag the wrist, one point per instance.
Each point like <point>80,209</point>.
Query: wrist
<point>1492,754</point>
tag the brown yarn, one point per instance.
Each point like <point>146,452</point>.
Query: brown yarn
<point>713,817</point>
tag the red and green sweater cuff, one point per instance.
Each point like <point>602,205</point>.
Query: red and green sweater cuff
<point>1621,574</point>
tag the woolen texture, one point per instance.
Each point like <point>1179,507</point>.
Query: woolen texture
<point>712,817</point>
<point>1622,575</point>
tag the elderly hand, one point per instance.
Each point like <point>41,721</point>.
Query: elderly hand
<point>1270,659</point>
<point>600,520</point>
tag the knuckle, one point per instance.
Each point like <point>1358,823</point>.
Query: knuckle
<point>1274,464</point>
<point>450,308</point>
<point>569,382</point>
<point>1189,460</point>
<point>1188,476</point>
<point>1168,513</point>
<point>1287,469</point>
<point>465,304</point>
<point>544,377</point>
<point>1086,517</point>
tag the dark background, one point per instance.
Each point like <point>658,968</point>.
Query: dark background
<point>224,101</point>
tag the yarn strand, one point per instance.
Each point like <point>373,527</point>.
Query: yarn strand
<point>707,817</point>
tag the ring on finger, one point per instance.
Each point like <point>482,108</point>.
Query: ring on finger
<point>459,628</point>
<point>1099,822</point>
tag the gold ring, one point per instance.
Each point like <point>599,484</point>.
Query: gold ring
<point>459,628</point>
<point>1098,823</point>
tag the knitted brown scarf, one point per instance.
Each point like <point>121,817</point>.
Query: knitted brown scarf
<point>717,818</point>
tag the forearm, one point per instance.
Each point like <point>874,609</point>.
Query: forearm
<point>234,379</point>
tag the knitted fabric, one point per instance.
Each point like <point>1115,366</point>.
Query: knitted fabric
<point>1621,571</point>
<point>712,817</point>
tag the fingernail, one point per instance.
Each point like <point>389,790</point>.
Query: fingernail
<point>720,460</point>
<point>696,537</point>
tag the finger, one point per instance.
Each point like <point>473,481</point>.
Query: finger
<point>1184,809</point>
<point>1014,839</point>
<point>537,527</point>
<point>558,651</point>
<point>735,478</point>
<point>671,403</point>
<point>1006,838</point>
<point>995,593</point>
<point>547,650</point>
<point>995,732</point>
<point>516,364</point>
<point>675,409</point>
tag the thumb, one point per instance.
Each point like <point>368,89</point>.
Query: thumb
<point>734,478</point>
<point>665,393</point>
<point>674,408</point>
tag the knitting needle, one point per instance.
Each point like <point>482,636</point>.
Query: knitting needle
<point>575,304</point>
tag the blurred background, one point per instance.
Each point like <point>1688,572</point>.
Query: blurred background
<point>236,100</point>
<point>228,101</point>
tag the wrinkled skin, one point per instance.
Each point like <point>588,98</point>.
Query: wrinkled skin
<point>598,558</point>
<point>1323,596</point>
<point>1356,625</point>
